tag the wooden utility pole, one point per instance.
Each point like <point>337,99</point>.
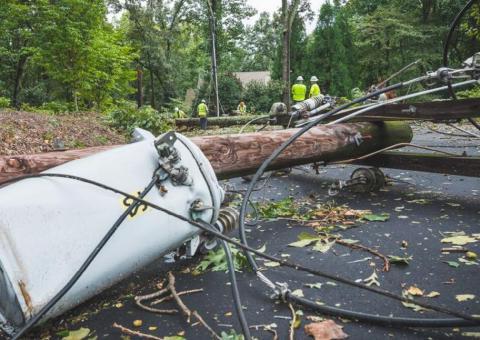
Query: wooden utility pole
<point>288,14</point>
<point>213,31</point>
<point>238,155</point>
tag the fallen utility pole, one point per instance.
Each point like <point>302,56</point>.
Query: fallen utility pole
<point>241,154</point>
<point>459,166</point>
<point>435,111</point>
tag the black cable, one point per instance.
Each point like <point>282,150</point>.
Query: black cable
<point>233,281</point>
<point>46,308</point>
<point>377,319</point>
<point>235,292</point>
<point>446,48</point>
<point>465,319</point>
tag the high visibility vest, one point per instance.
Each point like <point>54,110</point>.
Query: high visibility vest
<point>202,110</point>
<point>314,90</point>
<point>242,108</point>
<point>180,114</point>
<point>298,92</point>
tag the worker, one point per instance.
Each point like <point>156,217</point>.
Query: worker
<point>242,108</point>
<point>299,90</point>
<point>179,114</point>
<point>314,88</point>
<point>202,111</point>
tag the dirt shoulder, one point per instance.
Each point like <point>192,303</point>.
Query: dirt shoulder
<point>26,132</point>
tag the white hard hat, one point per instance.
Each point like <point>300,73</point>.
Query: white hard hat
<point>176,109</point>
<point>203,100</point>
<point>299,78</point>
<point>314,78</point>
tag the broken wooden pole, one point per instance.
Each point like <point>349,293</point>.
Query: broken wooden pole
<point>241,154</point>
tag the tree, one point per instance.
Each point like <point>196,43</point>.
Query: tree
<point>331,51</point>
<point>17,45</point>
<point>260,44</point>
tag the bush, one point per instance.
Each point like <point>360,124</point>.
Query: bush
<point>127,117</point>
<point>4,102</point>
<point>55,107</point>
<point>259,97</point>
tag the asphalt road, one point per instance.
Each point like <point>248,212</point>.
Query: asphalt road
<point>422,206</point>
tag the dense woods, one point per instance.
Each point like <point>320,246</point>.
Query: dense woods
<point>71,55</point>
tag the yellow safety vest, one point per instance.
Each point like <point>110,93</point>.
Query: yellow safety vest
<point>314,90</point>
<point>242,108</point>
<point>298,92</point>
<point>202,110</point>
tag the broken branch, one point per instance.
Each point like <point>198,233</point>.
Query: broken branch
<point>185,309</point>
<point>135,333</point>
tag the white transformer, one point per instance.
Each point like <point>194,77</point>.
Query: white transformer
<point>49,226</point>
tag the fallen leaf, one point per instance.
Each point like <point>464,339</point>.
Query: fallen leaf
<point>152,328</point>
<point>137,323</point>
<point>452,263</point>
<point>79,334</point>
<point>467,262</point>
<point>349,241</point>
<point>262,248</point>
<point>325,330</point>
<point>464,297</point>
<point>373,218</point>
<point>271,264</point>
<point>317,285</point>
<point>297,293</point>
<point>415,291</point>
<point>416,308</point>
<point>460,240</point>
<point>304,239</point>
<point>314,318</point>
<point>399,259</point>
<point>323,246</point>
<point>471,255</point>
<point>372,279</point>
<point>432,294</point>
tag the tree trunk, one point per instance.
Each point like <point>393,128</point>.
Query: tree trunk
<point>152,89</point>
<point>139,87</point>
<point>19,72</point>
<point>238,155</point>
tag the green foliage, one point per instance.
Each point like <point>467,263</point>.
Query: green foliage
<point>216,260</point>
<point>68,53</point>
<point>55,107</point>
<point>230,91</point>
<point>127,117</point>
<point>471,93</point>
<point>283,208</point>
<point>232,335</point>
<point>260,97</point>
<point>4,102</point>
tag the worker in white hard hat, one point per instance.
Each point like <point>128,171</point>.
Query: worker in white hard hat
<point>314,88</point>
<point>179,114</point>
<point>202,110</point>
<point>299,90</point>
